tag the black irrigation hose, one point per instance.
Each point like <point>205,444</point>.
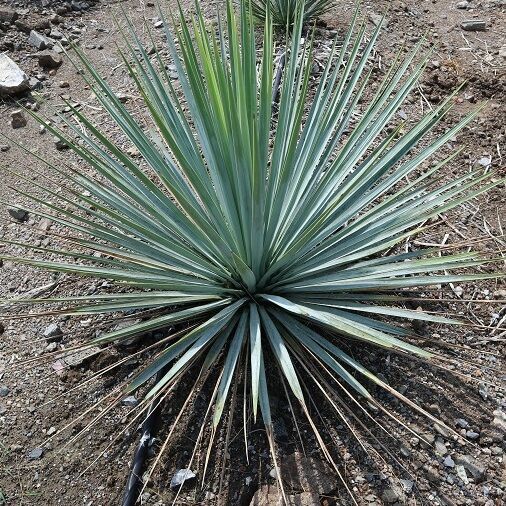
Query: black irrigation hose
<point>134,481</point>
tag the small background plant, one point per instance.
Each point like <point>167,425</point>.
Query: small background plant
<point>262,249</point>
<point>284,12</point>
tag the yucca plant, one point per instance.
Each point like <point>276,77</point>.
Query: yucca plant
<point>261,239</point>
<point>283,12</point>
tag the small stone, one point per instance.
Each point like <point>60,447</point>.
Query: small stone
<point>64,84</point>
<point>470,434</point>
<point>49,59</point>
<point>461,473</point>
<point>440,448</point>
<point>158,24</point>
<point>35,454</point>
<point>53,333</point>
<point>38,40</point>
<point>460,422</point>
<point>17,213</point>
<point>51,431</point>
<point>502,51</point>
<point>474,25</point>
<point>378,19</point>
<point>8,15</point>
<point>449,462</point>
<point>483,391</point>
<point>80,357</point>
<point>130,401</point>
<point>56,34</point>
<point>496,450</point>
<point>12,79</point>
<point>390,496</point>
<point>471,465</point>
<point>407,486</point>
<point>18,120</point>
<point>432,474</point>
<point>51,347</point>
<point>133,151</point>
<point>4,391</point>
<point>44,224</point>
<point>60,144</point>
<point>181,476</point>
<point>35,84</point>
<point>79,6</point>
<point>4,148</point>
<point>405,451</point>
<point>485,161</point>
<point>440,429</point>
<point>499,421</point>
<point>462,5</point>
<point>123,97</point>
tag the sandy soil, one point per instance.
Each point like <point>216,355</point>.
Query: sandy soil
<point>26,418</point>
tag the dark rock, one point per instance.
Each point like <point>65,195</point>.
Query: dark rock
<point>12,79</point>
<point>432,474</point>
<point>17,213</point>
<point>49,59</point>
<point>18,120</point>
<point>32,23</point>
<point>474,25</point>
<point>8,15</point>
<point>307,473</point>
<point>4,391</point>
<point>2,328</point>
<point>53,333</point>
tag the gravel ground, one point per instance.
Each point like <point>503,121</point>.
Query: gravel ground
<point>422,465</point>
